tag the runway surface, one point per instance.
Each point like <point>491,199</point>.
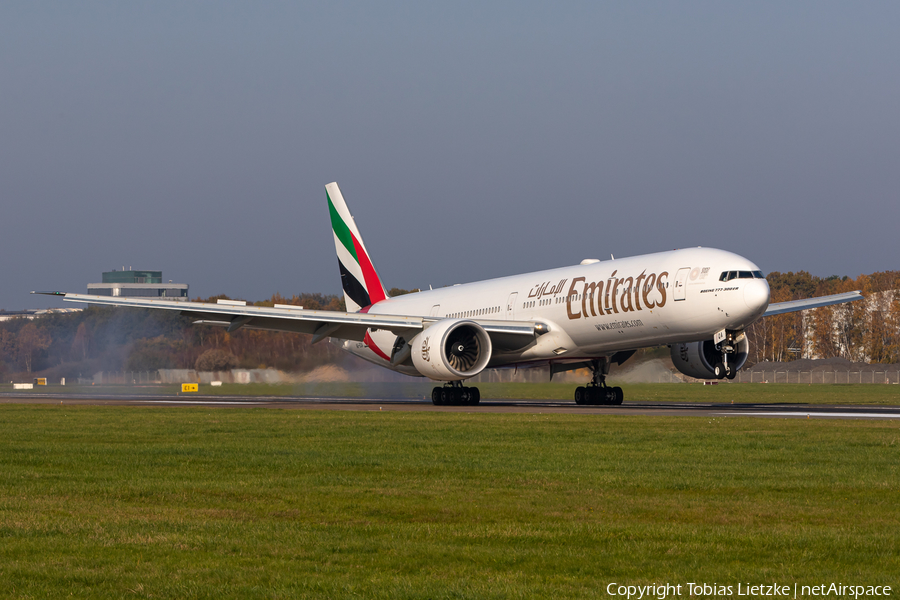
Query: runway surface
<point>784,411</point>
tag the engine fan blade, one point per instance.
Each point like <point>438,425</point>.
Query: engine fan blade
<point>464,351</point>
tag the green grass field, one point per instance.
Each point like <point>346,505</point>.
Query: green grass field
<point>256,503</point>
<point>724,393</point>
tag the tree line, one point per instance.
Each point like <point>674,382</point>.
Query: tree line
<point>102,338</point>
<point>864,331</point>
<point>74,345</point>
<point>106,338</point>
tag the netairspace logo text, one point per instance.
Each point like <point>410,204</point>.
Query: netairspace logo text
<point>746,590</point>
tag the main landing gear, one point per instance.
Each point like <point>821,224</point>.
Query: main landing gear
<point>455,394</point>
<point>597,392</point>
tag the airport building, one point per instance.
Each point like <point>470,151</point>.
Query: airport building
<point>34,313</point>
<point>138,284</point>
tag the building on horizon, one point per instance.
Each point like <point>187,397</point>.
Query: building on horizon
<point>138,284</point>
<point>34,313</point>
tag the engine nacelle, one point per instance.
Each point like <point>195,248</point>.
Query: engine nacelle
<point>698,359</point>
<point>451,350</point>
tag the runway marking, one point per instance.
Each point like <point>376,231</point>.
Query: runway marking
<point>843,415</point>
<point>648,408</point>
<point>195,401</point>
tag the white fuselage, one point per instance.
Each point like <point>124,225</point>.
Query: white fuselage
<point>595,309</point>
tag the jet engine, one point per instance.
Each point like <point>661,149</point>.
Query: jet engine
<point>451,350</point>
<point>699,359</point>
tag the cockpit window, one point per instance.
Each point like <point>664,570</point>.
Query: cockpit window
<point>729,275</point>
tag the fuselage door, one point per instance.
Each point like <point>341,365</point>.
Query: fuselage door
<point>435,310</point>
<point>511,306</point>
<point>681,282</point>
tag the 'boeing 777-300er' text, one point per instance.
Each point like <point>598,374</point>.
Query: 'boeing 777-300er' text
<point>697,301</point>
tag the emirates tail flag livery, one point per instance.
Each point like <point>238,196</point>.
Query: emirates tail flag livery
<point>698,301</point>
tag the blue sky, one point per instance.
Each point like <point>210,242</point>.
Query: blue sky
<point>471,140</point>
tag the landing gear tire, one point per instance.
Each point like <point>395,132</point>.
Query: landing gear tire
<point>581,395</point>
<point>455,396</point>
<point>731,373</point>
<point>619,396</point>
<point>474,396</point>
<point>719,371</point>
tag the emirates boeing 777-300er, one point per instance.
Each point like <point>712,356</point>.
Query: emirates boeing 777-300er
<point>697,301</point>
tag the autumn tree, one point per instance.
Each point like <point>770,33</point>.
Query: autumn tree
<point>216,360</point>
<point>8,348</point>
<point>82,342</point>
<point>153,354</point>
<point>31,340</point>
<point>393,292</point>
<point>864,331</point>
<point>892,326</point>
<point>774,338</point>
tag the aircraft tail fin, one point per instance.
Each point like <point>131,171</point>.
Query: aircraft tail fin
<point>361,283</point>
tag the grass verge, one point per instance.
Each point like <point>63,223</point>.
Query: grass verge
<point>200,503</point>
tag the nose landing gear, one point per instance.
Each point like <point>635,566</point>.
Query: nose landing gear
<point>597,392</point>
<point>726,343</point>
<point>723,369</point>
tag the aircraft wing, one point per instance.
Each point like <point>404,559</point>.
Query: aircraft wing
<point>794,305</point>
<point>319,323</point>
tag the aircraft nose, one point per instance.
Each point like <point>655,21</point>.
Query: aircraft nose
<point>756,295</point>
